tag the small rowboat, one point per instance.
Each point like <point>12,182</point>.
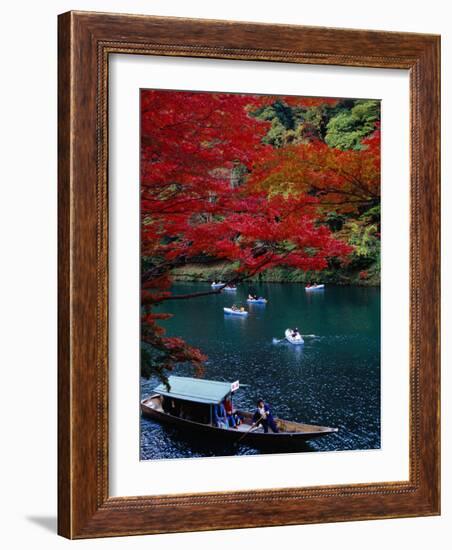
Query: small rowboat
<point>296,340</point>
<point>230,288</point>
<point>230,311</point>
<point>217,285</point>
<point>257,301</point>
<point>314,287</point>
<point>189,405</point>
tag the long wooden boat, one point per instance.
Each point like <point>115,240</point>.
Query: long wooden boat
<point>188,404</point>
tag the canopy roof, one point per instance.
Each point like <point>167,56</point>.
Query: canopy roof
<point>195,389</point>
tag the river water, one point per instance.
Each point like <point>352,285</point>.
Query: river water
<point>332,380</point>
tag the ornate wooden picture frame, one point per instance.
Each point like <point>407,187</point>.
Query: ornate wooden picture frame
<point>86,40</point>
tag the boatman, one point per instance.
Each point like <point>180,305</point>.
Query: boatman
<point>264,417</point>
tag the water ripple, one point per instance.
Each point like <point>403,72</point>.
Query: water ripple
<point>333,379</point>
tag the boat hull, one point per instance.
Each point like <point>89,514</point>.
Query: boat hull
<point>293,341</point>
<point>260,440</point>
<point>230,311</point>
<point>314,288</point>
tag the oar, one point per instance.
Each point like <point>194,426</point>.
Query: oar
<point>246,433</point>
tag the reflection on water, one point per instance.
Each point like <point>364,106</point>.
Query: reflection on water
<point>333,379</point>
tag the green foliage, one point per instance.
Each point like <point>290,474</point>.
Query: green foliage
<point>335,220</point>
<point>282,118</point>
<point>347,129</point>
<point>363,233</point>
<point>363,238</point>
<point>343,126</point>
<point>372,215</point>
<point>152,363</point>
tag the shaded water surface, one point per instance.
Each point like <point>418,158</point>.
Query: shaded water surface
<point>332,380</point>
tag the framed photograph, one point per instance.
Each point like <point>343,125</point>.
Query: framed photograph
<point>248,275</point>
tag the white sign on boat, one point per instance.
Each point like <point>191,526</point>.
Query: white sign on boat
<point>235,385</point>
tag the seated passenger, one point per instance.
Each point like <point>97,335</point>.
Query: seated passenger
<point>220,418</point>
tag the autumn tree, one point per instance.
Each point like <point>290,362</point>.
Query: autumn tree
<point>346,180</point>
<point>200,154</point>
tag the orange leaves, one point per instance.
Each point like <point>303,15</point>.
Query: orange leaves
<point>211,189</point>
<point>296,101</point>
<point>347,180</point>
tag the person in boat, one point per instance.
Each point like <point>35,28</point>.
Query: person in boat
<point>229,413</point>
<point>242,308</point>
<point>263,416</point>
<point>220,419</point>
<point>170,406</point>
<point>237,418</point>
<point>295,332</point>
<point>234,307</point>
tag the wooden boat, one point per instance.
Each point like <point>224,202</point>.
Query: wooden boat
<point>189,404</point>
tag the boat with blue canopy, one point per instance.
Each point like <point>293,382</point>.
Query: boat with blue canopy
<point>205,407</point>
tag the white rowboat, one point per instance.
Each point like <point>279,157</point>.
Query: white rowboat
<point>230,311</point>
<point>217,285</point>
<point>314,287</point>
<point>295,340</point>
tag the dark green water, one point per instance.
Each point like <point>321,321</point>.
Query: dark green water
<point>333,380</point>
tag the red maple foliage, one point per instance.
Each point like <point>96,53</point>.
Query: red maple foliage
<point>202,196</point>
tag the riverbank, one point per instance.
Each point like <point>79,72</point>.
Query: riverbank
<point>223,271</point>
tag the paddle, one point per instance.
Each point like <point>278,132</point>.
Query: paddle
<point>246,433</point>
